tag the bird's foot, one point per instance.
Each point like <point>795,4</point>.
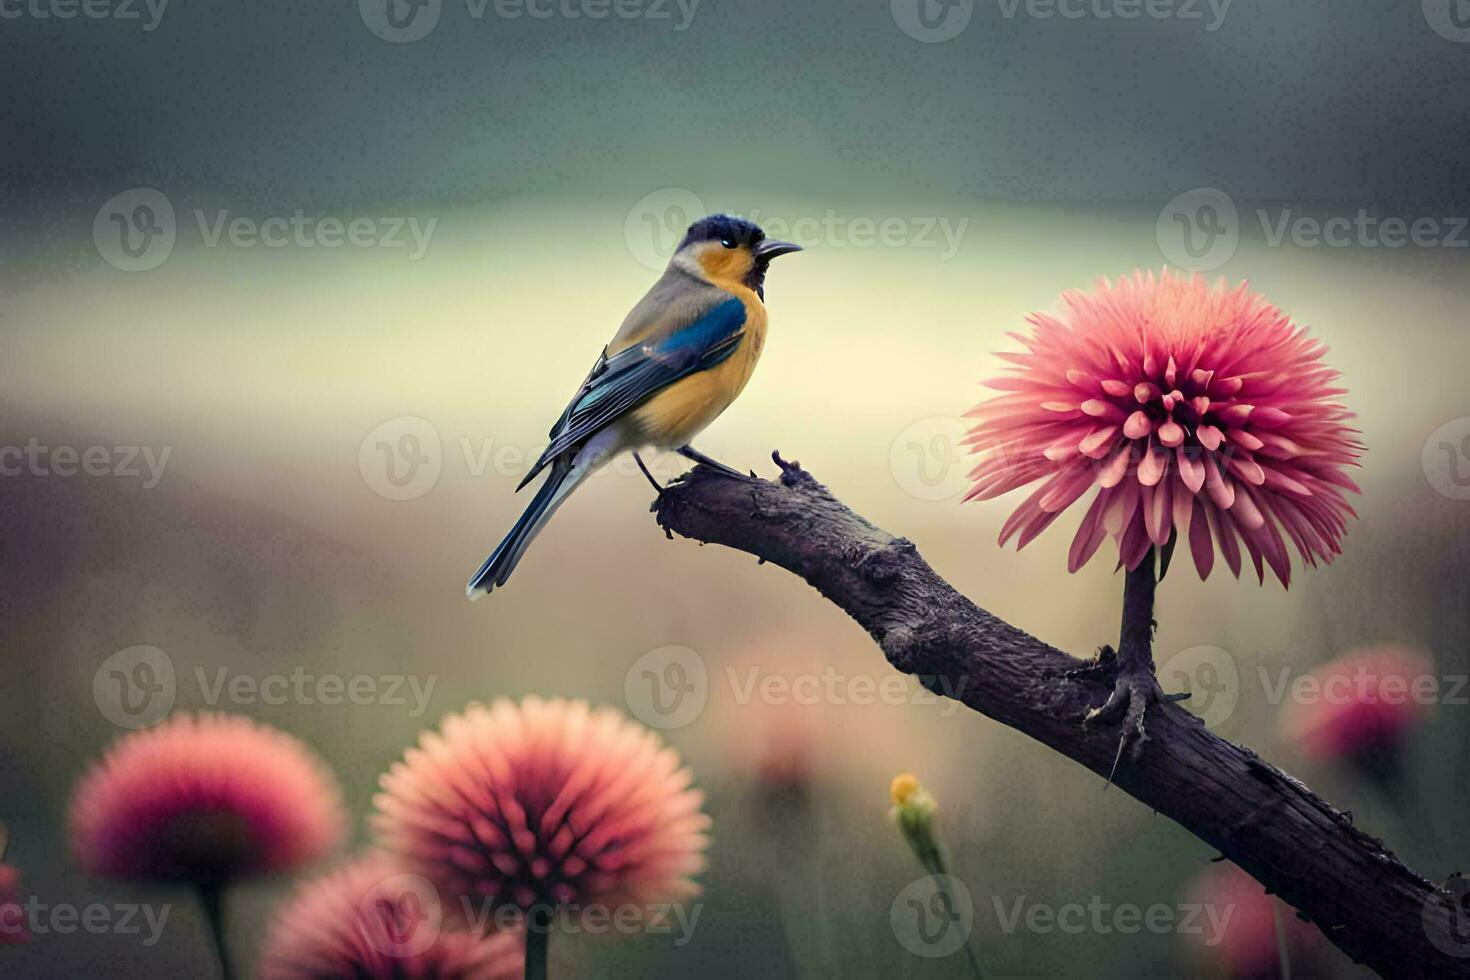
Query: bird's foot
<point>639,460</point>
<point>1134,688</point>
<point>689,452</point>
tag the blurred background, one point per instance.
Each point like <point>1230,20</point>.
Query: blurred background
<point>303,286</point>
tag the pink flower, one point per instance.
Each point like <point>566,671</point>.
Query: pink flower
<point>206,798</point>
<point>12,911</point>
<point>780,746</point>
<point>542,803</point>
<point>1187,407</point>
<point>370,918</point>
<point>777,742</point>
<point>1366,700</point>
<point>1237,931</point>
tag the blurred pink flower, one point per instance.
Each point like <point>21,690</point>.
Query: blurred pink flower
<point>1369,699</point>
<point>777,742</point>
<point>205,798</point>
<point>12,911</point>
<point>781,745</point>
<point>1246,946</point>
<point>370,918</point>
<point>1187,407</point>
<point>545,802</point>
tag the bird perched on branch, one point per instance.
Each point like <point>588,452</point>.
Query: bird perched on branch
<point>681,357</point>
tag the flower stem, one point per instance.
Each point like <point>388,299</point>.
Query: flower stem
<point>1283,952</point>
<point>211,900</point>
<point>1136,638</point>
<point>938,869</point>
<point>538,937</point>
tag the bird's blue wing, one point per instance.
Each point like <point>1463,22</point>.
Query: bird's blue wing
<point>631,376</point>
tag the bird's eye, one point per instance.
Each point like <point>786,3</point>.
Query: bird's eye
<point>727,242</point>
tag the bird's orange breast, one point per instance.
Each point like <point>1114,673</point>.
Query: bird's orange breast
<point>674,416</point>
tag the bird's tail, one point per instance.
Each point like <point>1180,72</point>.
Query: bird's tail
<point>565,476</point>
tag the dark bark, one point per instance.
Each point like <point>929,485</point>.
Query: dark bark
<point>1364,899</point>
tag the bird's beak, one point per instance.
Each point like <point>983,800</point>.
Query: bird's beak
<point>768,248</point>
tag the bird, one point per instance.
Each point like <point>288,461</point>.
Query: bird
<point>682,355</point>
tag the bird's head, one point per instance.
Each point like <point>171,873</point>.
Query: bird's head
<point>725,251</point>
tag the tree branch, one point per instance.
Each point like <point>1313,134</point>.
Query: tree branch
<point>1364,899</point>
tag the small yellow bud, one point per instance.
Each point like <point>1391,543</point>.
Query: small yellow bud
<point>903,787</point>
<point>913,811</point>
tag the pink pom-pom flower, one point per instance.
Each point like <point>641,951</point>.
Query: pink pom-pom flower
<point>1187,408</point>
<point>545,803</point>
<point>1364,703</point>
<point>13,928</point>
<point>206,798</point>
<point>370,918</point>
<point>1237,932</point>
